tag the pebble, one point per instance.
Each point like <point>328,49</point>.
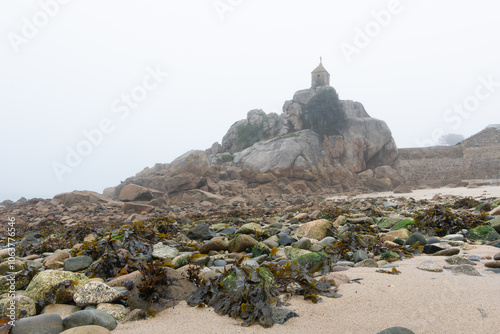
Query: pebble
<point>339,268</point>
<point>433,241</point>
<point>50,322</point>
<point>396,330</point>
<point>496,256</point>
<point>475,258</point>
<point>454,237</point>
<point>459,260</point>
<point>492,264</point>
<point>456,243</point>
<point>430,266</point>
<point>390,265</point>
<point>370,263</point>
<point>447,252</point>
<point>94,293</point>
<point>345,263</point>
<point>219,263</point>
<point>90,317</point>
<point>465,269</point>
<point>91,329</point>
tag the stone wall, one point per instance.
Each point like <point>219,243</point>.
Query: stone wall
<point>477,157</point>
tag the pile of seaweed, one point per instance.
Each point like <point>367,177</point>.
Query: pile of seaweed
<point>252,293</point>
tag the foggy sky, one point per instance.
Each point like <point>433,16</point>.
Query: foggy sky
<point>145,81</point>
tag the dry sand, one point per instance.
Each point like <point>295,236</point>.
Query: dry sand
<point>484,191</point>
<point>422,301</point>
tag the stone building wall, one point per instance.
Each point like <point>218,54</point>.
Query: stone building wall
<point>477,157</point>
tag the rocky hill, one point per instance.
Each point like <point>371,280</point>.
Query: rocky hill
<point>283,154</point>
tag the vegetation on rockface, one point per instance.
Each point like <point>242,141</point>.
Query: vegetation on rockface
<point>249,134</point>
<point>441,220</point>
<point>324,113</point>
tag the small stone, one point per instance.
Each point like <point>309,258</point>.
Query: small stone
<point>401,234</point>
<point>328,241</point>
<point>390,265</point>
<point>90,317</point>
<point>119,281</point>
<point>345,263</point>
<point>50,322</point>
<point>94,293</point>
<point>496,256</point>
<point>360,255</point>
<point>91,329</point>
<point>62,309</point>
<point>241,243</point>
<point>432,248</point>
<point>447,252</point>
<point>416,238</point>
<point>220,263</point>
<point>162,251</point>
<point>303,243</point>
<point>285,239</point>
<point>492,264</point>
<point>118,311</point>
<point>216,244</point>
<point>475,258</point>
<point>459,260</point>
<point>250,228</point>
<point>201,232</point>
<point>23,306</point>
<point>430,266</point>
<point>53,261</point>
<point>433,241</point>
<point>454,237</point>
<point>9,266</point>
<point>396,330</point>
<point>316,229</point>
<point>465,269</point>
<point>77,263</point>
<point>370,263</point>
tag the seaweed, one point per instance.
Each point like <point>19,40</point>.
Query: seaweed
<point>466,203</point>
<point>440,221</point>
<point>153,276</point>
<point>250,293</point>
<point>394,271</point>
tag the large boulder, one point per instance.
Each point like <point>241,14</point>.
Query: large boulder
<point>76,197</point>
<point>133,192</point>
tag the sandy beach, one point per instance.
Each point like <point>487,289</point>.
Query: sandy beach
<point>484,191</point>
<point>422,301</point>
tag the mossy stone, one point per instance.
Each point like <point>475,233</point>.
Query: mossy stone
<point>312,259</point>
<point>484,232</point>
<point>403,224</point>
<point>390,256</point>
<point>52,281</point>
